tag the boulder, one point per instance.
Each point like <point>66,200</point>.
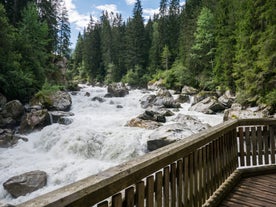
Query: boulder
<point>13,109</point>
<point>55,101</point>
<point>155,85</point>
<point>117,90</point>
<point>209,105</point>
<point>25,183</point>
<point>65,121</point>
<point>147,101</point>
<point>60,117</point>
<point>87,94</point>
<point>203,95</point>
<point>119,106</point>
<point>34,120</point>
<point>167,134</point>
<point>192,122</point>
<point>99,99</point>
<point>147,124</point>
<point>11,114</point>
<point>227,99</point>
<point>185,126</point>
<point>187,90</point>
<point>152,116</point>
<point>236,112</point>
<point>158,143</point>
<point>8,138</point>
<point>183,98</point>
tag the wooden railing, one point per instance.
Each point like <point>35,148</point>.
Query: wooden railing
<point>190,172</point>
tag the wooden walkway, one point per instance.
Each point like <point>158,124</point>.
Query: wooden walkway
<point>253,192</point>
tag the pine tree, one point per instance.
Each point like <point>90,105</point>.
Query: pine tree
<point>203,50</point>
<point>136,53</point>
<point>64,32</point>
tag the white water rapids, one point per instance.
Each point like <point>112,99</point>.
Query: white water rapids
<point>96,140</point>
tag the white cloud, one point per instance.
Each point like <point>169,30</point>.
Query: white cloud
<point>108,7</point>
<point>150,12</point>
<point>80,20</point>
<point>130,2</point>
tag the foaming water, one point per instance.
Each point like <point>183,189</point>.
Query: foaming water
<point>96,140</point>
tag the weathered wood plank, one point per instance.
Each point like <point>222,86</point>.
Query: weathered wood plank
<point>191,180</point>
<point>248,146</point>
<point>241,146</point>
<point>260,145</point>
<point>204,175</point>
<point>265,138</point>
<point>150,191</point>
<point>254,145</point>
<point>272,136</point>
<point>129,197</point>
<point>179,182</point>
<point>103,204</point>
<point>173,185</point>
<point>186,181</point>
<point>140,194</point>
<point>117,200</point>
<point>200,177</point>
<point>158,188</point>
<point>166,186</point>
<point>195,161</point>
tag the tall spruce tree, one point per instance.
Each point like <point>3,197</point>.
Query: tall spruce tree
<point>203,50</point>
<point>64,32</point>
<point>135,35</point>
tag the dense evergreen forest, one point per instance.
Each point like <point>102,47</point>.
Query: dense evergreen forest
<point>208,44</point>
<point>34,35</point>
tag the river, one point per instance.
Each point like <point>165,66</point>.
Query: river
<point>96,140</point>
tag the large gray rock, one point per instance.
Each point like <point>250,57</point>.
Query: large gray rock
<point>61,117</point>
<point>55,101</point>
<point>117,90</point>
<point>187,90</point>
<point>186,125</point>
<point>236,112</point>
<point>11,114</point>
<point>163,99</point>
<point>227,99</point>
<point>203,95</point>
<point>34,120</point>
<point>8,138</point>
<point>146,124</point>
<point>147,101</point>
<point>13,109</point>
<point>192,122</point>
<point>25,183</point>
<point>155,85</point>
<point>167,134</point>
<point>153,116</point>
<point>209,105</point>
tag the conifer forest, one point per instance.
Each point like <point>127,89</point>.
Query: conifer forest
<point>208,44</point>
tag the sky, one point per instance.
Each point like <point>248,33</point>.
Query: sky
<point>80,10</point>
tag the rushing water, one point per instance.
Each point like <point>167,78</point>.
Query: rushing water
<point>96,140</point>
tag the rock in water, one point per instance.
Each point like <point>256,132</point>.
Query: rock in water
<point>34,120</point>
<point>25,183</point>
<point>56,101</point>
<point>117,90</point>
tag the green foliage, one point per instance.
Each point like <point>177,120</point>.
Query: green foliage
<point>134,79</point>
<point>202,55</point>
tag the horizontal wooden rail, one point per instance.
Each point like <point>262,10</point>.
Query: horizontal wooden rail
<point>185,173</point>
